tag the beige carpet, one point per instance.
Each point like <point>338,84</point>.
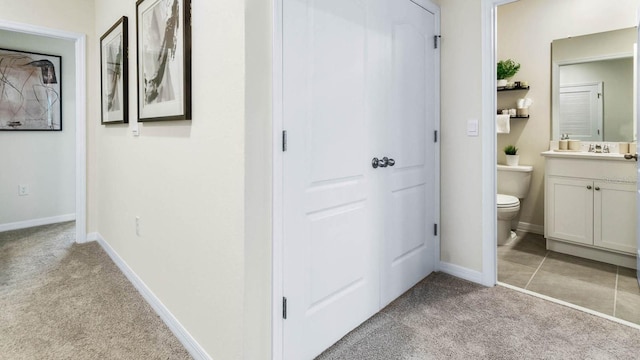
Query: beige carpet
<point>60,300</point>
<point>447,318</point>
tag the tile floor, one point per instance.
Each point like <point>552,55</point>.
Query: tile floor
<point>606,288</point>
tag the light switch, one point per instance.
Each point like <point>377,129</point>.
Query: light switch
<point>472,127</point>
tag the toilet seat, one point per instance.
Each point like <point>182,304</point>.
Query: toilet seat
<point>507,201</point>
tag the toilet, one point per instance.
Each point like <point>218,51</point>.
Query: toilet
<point>513,186</point>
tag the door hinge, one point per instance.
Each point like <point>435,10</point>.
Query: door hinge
<point>284,140</point>
<point>284,307</point>
<point>435,41</point>
<point>435,229</point>
<point>435,136</point>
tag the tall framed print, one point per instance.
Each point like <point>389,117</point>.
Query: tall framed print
<point>114,73</point>
<point>30,91</point>
<point>164,59</point>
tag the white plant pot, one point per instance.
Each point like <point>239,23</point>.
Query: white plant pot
<point>501,83</point>
<point>513,160</point>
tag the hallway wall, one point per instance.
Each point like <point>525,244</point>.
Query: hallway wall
<point>184,180</point>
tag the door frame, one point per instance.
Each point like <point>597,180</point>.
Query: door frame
<point>277,338</point>
<point>489,142</point>
<point>81,113</point>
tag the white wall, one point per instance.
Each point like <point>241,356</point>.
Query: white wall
<point>185,180</point>
<point>43,160</point>
<point>461,159</point>
<point>258,180</point>
<point>526,29</point>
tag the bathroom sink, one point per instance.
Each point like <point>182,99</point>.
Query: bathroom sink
<point>584,155</point>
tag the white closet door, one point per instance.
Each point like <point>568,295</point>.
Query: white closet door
<point>331,267</point>
<point>355,87</point>
<point>409,128</point>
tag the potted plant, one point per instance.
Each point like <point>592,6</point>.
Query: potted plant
<point>505,70</point>
<point>512,155</point>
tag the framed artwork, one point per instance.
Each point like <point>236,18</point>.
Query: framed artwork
<point>30,91</point>
<point>114,74</point>
<point>164,59</point>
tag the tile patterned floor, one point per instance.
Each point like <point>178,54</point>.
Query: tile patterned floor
<point>609,289</point>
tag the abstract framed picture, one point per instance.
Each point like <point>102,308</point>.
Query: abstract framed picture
<point>164,59</point>
<point>30,91</point>
<point>114,74</point>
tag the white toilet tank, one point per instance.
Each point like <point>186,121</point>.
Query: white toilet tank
<point>514,180</point>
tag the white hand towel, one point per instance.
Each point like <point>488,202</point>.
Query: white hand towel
<point>503,123</point>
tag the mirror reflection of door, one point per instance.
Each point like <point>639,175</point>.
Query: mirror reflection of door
<point>581,111</point>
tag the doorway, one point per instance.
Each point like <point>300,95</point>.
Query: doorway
<point>79,41</point>
<point>602,282</point>
<point>359,164</point>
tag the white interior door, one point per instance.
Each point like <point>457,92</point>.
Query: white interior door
<point>409,134</point>
<point>330,260</point>
<point>581,111</point>
<point>354,88</point>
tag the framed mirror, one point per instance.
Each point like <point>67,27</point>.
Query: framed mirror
<point>593,87</point>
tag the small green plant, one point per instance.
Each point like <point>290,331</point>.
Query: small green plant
<point>510,150</point>
<point>507,68</point>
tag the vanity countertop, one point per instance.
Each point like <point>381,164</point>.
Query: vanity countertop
<point>584,155</point>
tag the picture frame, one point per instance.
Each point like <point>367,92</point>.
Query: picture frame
<point>163,31</point>
<point>30,91</point>
<point>114,73</point>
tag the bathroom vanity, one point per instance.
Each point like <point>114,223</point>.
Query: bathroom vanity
<point>590,206</point>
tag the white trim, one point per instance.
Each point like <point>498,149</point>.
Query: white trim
<point>570,305</point>
<point>81,113</point>
<point>92,236</point>
<point>36,222</point>
<point>489,142</point>
<point>190,344</point>
<point>531,228</point>
<point>461,272</point>
<point>277,335</point>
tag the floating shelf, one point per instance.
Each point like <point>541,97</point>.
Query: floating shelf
<point>516,116</point>
<point>514,89</point>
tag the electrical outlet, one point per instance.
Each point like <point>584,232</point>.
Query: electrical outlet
<point>23,190</point>
<point>138,225</point>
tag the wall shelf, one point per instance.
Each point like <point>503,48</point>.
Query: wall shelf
<point>514,89</point>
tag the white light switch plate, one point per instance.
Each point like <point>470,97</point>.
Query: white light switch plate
<point>472,127</point>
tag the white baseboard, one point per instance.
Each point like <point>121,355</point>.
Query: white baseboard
<point>461,272</point>
<point>531,228</point>
<point>192,346</point>
<point>37,222</point>
<point>93,236</point>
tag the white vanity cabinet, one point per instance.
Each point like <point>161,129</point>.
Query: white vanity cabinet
<point>590,206</point>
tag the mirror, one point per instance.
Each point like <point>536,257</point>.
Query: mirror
<point>593,86</point>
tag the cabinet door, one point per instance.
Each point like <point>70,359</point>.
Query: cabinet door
<point>614,217</point>
<point>569,209</point>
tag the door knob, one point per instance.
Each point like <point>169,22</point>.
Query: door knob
<point>384,162</point>
<point>629,156</point>
<point>597,188</point>
<point>588,187</point>
<point>375,162</point>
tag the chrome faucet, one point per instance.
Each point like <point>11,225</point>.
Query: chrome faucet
<point>597,148</point>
